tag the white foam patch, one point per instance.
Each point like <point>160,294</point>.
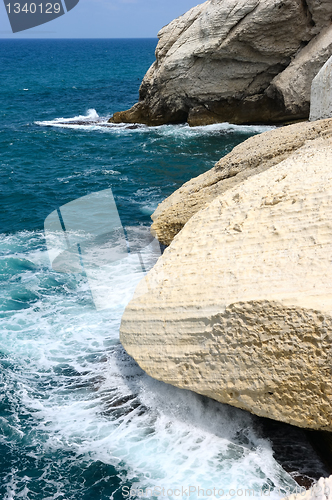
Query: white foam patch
<point>86,396</point>
<point>214,129</point>
<point>91,117</point>
<point>147,199</point>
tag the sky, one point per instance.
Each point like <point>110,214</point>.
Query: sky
<point>104,19</point>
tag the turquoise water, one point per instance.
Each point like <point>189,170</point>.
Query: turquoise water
<point>78,418</point>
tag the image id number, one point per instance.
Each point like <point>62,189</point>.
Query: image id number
<point>34,8</point>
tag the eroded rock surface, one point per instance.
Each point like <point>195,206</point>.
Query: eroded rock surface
<point>241,61</point>
<point>239,307</point>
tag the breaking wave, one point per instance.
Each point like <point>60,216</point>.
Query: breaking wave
<point>77,402</point>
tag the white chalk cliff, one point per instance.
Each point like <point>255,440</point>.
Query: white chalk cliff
<point>241,61</point>
<point>239,307</point>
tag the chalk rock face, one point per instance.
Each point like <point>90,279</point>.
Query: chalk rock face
<point>239,307</point>
<point>249,158</point>
<point>218,63</point>
<point>321,93</point>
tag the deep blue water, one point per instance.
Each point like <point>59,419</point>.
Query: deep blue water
<point>78,418</point>
<point>42,168</point>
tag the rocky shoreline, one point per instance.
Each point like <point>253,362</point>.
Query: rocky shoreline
<point>207,317</point>
<point>239,306</point>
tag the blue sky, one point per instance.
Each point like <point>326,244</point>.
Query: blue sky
<point>105,19</point>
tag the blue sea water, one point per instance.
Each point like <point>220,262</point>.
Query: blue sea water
<point>79,420</point>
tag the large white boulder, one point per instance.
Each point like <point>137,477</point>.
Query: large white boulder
<point>239,307</point>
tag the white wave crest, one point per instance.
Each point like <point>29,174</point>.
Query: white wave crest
<point>91,116</point>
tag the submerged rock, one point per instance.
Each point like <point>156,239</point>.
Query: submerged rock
<point>239,307</point>
<point>241,61</point>
<point>249,158</point>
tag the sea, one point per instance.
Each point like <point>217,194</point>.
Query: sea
<point>79,419</point>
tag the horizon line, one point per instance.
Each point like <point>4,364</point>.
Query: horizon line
<point>86,38</point>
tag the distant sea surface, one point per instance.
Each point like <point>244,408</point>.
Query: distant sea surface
<point>79,420</point>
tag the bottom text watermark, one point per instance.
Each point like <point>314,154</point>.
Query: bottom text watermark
<point>216,492</point>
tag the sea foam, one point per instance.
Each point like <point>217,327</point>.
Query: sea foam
<point>88,400</point>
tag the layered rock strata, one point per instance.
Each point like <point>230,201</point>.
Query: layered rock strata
<point>242,61</point>
<point>239,307</point>
<point>253,156</point>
